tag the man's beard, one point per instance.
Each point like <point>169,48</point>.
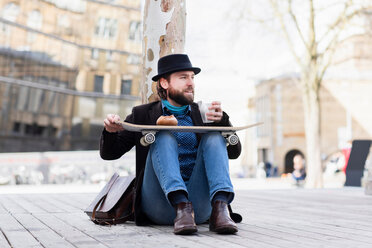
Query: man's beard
<point>179,97</point>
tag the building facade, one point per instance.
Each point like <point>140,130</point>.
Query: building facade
<point>64,66</point>
<point>345,99</point>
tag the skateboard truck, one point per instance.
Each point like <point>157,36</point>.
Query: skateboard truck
<point>149,137</point>
<point>231,138</point>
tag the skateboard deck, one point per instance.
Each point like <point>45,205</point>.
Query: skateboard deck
<point>149,131</point>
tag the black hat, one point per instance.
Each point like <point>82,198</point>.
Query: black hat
<point>173,63</point>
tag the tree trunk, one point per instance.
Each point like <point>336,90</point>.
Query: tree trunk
<point>314,177</point>
<point>164,26</point>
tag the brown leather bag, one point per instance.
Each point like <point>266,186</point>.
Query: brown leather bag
<point>115,203</point>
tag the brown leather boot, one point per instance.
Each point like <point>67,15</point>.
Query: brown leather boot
<point>184,222</point>
<point>220,221</point>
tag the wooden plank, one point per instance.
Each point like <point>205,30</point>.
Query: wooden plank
<point>248,237</point>
<point>129,234</point>
<point>320,211</point>
<point>71,234</point>
<point>303,235</point>
<point>2,208</point>
<point>79,201</point>
<point>306,228</point>
<point>11,206</point>
<point>106,235</point>
<point>293,236</point>
<point>17,235</point>
<point>41,232</point>
<point>60,202</point>
<point>41,201</point>
<point>316,197</point>
<point>27,204</point>
<point>3,240</point>
<point>205,237</point>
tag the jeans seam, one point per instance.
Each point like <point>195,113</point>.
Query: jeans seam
<point>160,169</point>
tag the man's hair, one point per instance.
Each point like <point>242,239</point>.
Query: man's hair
<point>161,91</point>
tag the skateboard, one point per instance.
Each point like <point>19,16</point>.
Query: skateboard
<point>149,131</point>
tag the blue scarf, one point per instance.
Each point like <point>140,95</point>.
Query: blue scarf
<point>174,109</point>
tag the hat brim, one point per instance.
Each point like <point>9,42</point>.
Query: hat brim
<point>196,70</point>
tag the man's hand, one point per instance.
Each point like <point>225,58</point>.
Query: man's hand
<point>110,123</point>
<point>215,113</point>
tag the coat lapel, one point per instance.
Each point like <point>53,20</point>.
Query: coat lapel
<point>195,115</point>
<point>155,112</point>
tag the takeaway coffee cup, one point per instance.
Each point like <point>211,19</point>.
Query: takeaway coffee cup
<point>204,109</point>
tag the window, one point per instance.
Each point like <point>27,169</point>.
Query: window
<point>126,87</point>
<point>63,21</point>
<point>134,31</point>
<point>95,53</point>
<point>34,100</point>
<point>22,98</point>
<point>133,59</point>
<point>109,55</point>
<point>34,129</point>
<point>98,83</point>
<point>263,115</point>
<point>10,13</point>
<point>106,28</point>
<point>35,20</point>
<point>16,127</point>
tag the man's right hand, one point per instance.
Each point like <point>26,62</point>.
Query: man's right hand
<point>110,123</point>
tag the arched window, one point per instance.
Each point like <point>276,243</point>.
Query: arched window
<point>35,20</point>
<point>10,12</point>
<point>63,21</point>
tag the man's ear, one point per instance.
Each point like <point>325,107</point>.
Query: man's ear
<point>164,83</point>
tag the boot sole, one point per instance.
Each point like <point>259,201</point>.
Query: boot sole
<point>224,230</point>
<point>186,231</point>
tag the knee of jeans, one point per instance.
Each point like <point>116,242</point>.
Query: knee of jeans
<point>212,138</point>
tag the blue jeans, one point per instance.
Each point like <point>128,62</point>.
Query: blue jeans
<point>162,176</point>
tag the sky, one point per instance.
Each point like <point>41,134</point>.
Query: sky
<point>232,59</point>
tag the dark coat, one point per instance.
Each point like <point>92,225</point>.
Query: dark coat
<point>114,145</point>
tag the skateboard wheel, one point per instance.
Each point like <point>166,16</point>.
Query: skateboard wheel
<point>233,140</point>
<point>148,139</point>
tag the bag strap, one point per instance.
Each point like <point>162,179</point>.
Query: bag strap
<point>120,220</point>
<point>237,218</point>
<point>96,206</point>
<point>102,199</point>
<point>114,221</point>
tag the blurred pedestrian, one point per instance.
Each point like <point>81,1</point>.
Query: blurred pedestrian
<point>299,173</point>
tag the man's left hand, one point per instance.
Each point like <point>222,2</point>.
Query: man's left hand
<point>215,112</point>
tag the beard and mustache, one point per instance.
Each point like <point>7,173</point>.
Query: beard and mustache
<point>180,97</point>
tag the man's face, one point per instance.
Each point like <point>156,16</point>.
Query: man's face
<point>180,88</point>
